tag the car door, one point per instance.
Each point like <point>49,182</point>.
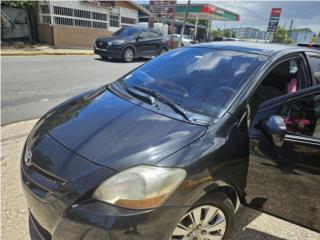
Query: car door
<point>143,43</point>
<point>155,42</point>
<point>314,62</point>
<point>284,166</point>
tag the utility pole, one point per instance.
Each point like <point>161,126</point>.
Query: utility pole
<point>185,18</point>
<point>290,29</point>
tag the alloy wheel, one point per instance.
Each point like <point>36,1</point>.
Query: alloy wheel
<point>128,54</point>
<point>201,223</point>
<point>163,50</point>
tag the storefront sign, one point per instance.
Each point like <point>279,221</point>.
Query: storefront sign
<point>274,19</point>
<point>163,9</point>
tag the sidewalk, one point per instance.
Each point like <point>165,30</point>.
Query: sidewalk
<point>36,50</point>
<point>249,224</point>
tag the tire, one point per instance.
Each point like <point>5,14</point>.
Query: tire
<point>128,54</point>
<point>162,51</point>
<point>217,205</point>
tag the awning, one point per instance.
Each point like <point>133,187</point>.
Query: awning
<point>206,12</point>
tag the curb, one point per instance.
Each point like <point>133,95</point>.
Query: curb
<point>44,53</point>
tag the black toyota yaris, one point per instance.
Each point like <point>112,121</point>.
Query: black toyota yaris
<point>170,150</point>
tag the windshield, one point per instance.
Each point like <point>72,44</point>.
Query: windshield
<point>202,80</point>
<point>127,32</point>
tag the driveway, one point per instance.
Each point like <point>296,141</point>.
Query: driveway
<point>32,85</point>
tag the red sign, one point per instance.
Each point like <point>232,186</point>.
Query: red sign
<point>276,12</point>
<point>274,19</point>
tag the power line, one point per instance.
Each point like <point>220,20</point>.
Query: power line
<point>247,10</point>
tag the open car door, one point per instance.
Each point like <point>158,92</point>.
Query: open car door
<point>284,167</point>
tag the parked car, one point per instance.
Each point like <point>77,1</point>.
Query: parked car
<point>185,39</point>
<point>131,42</point>
<point>311,45</point>
<point>225,39</point>
<point>171,149</point>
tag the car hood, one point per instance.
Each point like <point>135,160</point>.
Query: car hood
<point>113,132</point>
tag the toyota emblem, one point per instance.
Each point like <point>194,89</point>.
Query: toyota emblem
<point>28,157</point>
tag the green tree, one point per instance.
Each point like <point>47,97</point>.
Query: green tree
<point>17,3</point>
<point>280,36</point>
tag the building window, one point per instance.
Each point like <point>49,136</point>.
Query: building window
<point>82,14</point>
<point>63,21</point>
<point>82,23</point>
<point>99,16</point>
<point>100,25</point>
<point>114,21</point>
<point>76,17</point>
<point>46,19</point>
<point>63,11</point>
<point>44,9</point>
<point>127,20</point>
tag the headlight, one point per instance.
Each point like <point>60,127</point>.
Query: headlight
<point>140,187</point>
<point>118,42</point>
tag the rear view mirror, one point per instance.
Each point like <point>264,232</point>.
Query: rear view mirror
<point>139,37</point>
<point>275,128</point>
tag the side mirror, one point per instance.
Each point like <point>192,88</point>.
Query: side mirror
<point>139,37</point>
<point>275,128</point>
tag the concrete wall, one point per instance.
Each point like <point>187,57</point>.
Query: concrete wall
<point>76,37</point>
<point>45,34</point>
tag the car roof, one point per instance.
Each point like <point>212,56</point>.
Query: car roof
<point>251,47</point>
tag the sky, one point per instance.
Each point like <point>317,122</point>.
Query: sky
<point>304,13</point>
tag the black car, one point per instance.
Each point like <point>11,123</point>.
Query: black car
<point>170,150</point>
<point>132,42</point>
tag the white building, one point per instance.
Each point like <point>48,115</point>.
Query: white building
<point>78,23</point>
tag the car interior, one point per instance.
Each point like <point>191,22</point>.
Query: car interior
<point>283,79</point>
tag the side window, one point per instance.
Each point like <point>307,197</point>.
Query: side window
<point>315,68</point>
<point>153,34</point>
<point>302,117</point>
<point>144,34</point>
<point>284,78</point>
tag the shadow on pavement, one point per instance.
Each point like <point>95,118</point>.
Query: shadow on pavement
<point>136,60</point>
<point>243,218</point>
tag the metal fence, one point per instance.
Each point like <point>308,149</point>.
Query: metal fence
<point>61,15</point>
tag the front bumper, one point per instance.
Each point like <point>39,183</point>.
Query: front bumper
<point>110,52</point>
<point>60,206</point>
<point>98,220</point>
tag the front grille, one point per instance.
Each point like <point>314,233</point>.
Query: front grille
<point>102,45</point>
<point>43,184</point>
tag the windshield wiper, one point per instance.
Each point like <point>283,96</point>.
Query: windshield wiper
<point>136,94</point>
<point>165,100</point>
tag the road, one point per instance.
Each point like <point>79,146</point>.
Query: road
<point>32,85</point>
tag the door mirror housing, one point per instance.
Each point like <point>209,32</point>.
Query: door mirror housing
<point>139,38</point>
<point>275,128</point>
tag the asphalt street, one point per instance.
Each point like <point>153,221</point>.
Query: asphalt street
<point>32,85</point>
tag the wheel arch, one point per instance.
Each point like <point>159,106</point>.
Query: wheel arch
<point>129,46</point>
<point>226,188</point>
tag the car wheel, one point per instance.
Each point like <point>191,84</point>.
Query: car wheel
<point>128,54</point>
<point>162,51</point>
<point>212,217</point>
